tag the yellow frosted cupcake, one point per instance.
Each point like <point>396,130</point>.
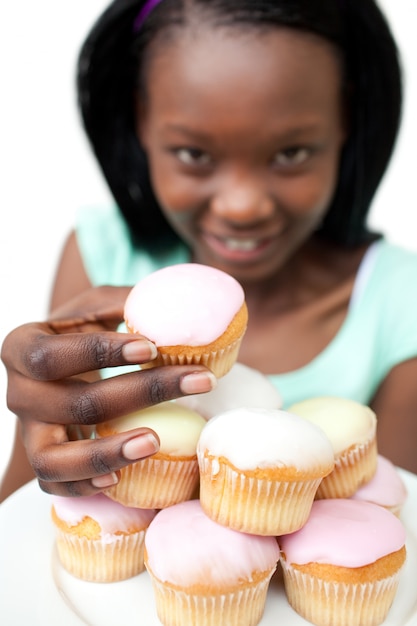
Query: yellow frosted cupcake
<point>260,469</point>
<point>342,568</point>
<point>203,573</point>
<point>169,476</point>
<point>99,540</point>
<point>193,313</point>
<point>351,428</point>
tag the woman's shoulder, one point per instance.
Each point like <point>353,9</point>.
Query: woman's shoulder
<point>108,252</point>
<point>386,269</point>
<point>395,271</point>
<point>392,255</point>
<point>101,224</point>
<point>100,219</point>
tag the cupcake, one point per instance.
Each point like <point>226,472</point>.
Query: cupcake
<point>386,488</point>
<point>193,313</point>
<point>170,475</point>
<point>351,428</point>
<point>343,566</point>
<point>241,386</point>
<point>205,574</point>
<point>99,540</point>
<point>260,469</point>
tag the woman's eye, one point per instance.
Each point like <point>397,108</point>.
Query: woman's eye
<point>292,156</point>
<point>193,156</point>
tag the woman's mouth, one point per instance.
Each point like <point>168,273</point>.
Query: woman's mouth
<point>244,245</point>
<point>237,249</point>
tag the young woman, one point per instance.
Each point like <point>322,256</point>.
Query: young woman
<point>251,137</point>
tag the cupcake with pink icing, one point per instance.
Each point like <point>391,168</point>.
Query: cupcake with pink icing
<point>203,573</point>
<point>351,428</point>
<point>260,469</point>
<point>193,313</point>
<point>386,488</point>
<point>99,540</point>
<point>170,475</point>
<point>343,566</point>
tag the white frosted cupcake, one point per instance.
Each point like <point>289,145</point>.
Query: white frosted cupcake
<point>351,428</point>
<point>342,568</point>
<point>168,476</point>
<point>99,540</point>
<point>386,488</point>
<point>260,469</point>
<point>205,574</point>
<point>241,386</point>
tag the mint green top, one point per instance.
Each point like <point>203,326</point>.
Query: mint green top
<point>379,331</point>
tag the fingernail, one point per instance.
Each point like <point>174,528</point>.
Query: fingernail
<point>140,447</point>
<point>107,480</point>
<point>199,382</point>
<point>139,351</point>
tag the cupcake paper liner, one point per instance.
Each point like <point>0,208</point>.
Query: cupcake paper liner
<point>252,505</point>
<point>327,603</point>
<point>352,469</point>
<point>155,483</point>
<point>396,510</point>
<point>241,607</point>
<point>100,561</point>
<point>219,361</point>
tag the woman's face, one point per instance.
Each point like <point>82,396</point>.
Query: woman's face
<point>243,132</point>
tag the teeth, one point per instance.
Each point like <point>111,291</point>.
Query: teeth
<point>244,245</point>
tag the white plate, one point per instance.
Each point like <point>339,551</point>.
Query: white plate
<point>36,591</point>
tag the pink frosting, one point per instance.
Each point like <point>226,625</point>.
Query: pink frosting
<point>110,515</point>
<point>386,487</point>
<point>344,532</point>
<point>185,546</point>
<point>184,304</point>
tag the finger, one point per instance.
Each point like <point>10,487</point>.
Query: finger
<point>34,352</point>
<point>75,488</point>
<point>78,402</point>
<point>84,467</point>
<point>99,304</point>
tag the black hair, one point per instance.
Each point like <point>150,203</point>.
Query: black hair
<point>108,72</point>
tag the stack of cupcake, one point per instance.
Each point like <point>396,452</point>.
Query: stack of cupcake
<point>310,477</point>
<point>239,486</point>
<point>343,566</point>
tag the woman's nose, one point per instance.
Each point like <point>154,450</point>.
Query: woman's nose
<point>242,200</point>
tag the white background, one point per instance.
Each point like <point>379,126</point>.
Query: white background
<point>47,171</point>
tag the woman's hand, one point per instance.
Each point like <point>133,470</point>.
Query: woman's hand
<point>51,389</point>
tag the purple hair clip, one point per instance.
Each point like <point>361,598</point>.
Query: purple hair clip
<point>143,14</point>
